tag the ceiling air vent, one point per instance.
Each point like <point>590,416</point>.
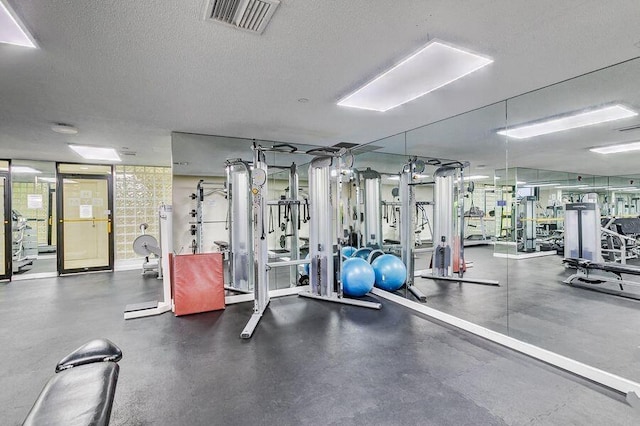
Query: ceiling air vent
<point>248,15</point>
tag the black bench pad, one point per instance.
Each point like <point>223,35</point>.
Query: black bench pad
<point>80,396</point>
<point>608,267</point>
<point>98,350</point>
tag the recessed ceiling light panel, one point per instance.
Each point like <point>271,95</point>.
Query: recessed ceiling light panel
<point>567,122</point>
<point>614,149</point>
<point>96,152</point>
<point>533,185</point>
<point>432,67</point>
<point>12,30</point>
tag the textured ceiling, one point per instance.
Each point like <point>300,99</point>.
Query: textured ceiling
<point>472,136</point>
<point>128,73</point>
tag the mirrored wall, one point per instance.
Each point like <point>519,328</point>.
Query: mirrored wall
<point>33,218</point>
<point>522,187</point>
<point>556,133</point>
<point>481,204</point>
<point>515,192</point>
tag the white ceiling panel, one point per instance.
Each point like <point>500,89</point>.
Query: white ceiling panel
<point>127,74</point>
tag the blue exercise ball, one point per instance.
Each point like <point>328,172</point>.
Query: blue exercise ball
<point>390,272</point>
<point>357,277</point>
<point>362,253</point>
<point>348,251</point>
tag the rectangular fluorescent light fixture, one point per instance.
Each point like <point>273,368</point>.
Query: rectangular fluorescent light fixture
<point>538,185</point>
<point>572,186</point>
<point>24,170</point>
<point>474,177</point>
<point>614,149</point>
<point>12,30</point>
<point>96,153</point>
<point>432,67</point>
<point>621,188</point>
<point>567,122</point>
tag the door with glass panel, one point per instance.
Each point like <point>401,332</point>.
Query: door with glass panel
<point>5,215</point>
<point>85,206</point>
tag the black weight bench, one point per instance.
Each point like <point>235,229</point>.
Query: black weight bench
<point>82,390</point>
<point>593,275</point>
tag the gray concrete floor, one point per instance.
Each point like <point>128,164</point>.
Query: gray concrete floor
<point>308,363</point>
<point>534,305</point>
<point>39,266</point>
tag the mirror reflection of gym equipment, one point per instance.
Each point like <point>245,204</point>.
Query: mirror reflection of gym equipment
<point>6,242</point>
<point>33,218</point>
<point>450,190</point>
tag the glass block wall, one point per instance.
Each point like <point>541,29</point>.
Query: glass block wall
<point>139,190</point>
<point>37,218</point>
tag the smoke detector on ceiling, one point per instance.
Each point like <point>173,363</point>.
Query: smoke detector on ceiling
<point>65,129</point>
<point>247,15</point>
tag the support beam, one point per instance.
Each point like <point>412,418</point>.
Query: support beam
<point>237,290</point>
<point>343,300</point>
<point>282,292</point>
<point>251,326</point>
<point>417,293</point>
<point>463,280</point>
<point>288,263</point>
<point>147,309</point>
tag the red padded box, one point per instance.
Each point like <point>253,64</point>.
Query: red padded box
<point>197,282</point>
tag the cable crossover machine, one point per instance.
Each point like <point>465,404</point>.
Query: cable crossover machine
<point>326,230</point>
